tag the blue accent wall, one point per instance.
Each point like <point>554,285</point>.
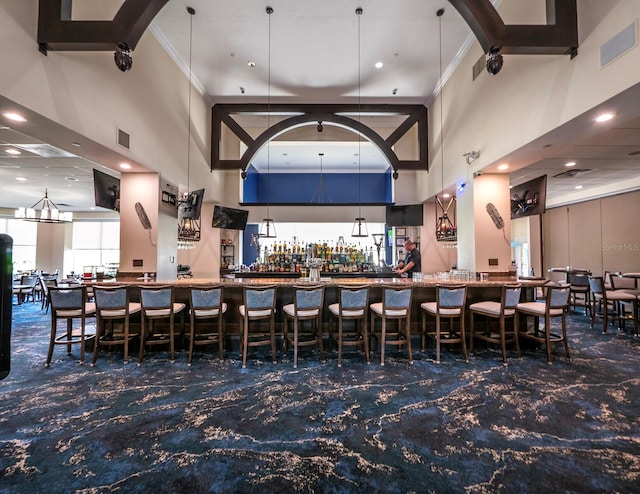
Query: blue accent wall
<point>305,188</point>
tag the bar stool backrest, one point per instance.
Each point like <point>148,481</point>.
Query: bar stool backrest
<point>596,284</point>
<point>354,298</point>
<point>451,297</point>
<point>397,298</point>
<point>307,298</point>
<point>206,298</point>
<point>578,279</point>
<point>260,298</point>
<point>622,282</point>
<point>156,298</point>
<point>512,296</point>
<point>67,298</point>
<point>110,298</point>
<point>558,297</point>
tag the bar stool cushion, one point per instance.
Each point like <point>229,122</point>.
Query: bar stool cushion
<point>209,312</point>
<point>538,309</point>
<point>89,309</point>
<point>377,308</point>
<point>432,308</point>
<point>289,309</point>
<point>335,310</point>
<point>134,308</point>
<point>177,307</point>
<point>490,308</point>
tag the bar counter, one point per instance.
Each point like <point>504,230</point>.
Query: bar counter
<point>423,291</point>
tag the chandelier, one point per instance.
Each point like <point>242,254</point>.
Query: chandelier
<point>43,211</point>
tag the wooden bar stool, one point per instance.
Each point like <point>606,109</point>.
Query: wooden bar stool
<point>307,306</point>
<point>449,304</point>
<point>259,304</point>
<point>395,306</point>
<point>206,318</point>
<point>352,305</point>
<point>158,306</point>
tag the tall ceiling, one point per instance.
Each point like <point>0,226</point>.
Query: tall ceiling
<point>323,52</point>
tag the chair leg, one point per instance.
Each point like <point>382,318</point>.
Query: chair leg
<point>295,342</point>
<point>516,330</point>
<point>503,341</point>
<point>318,322</point>
<point>365,338</point>
<point>463,337</point>
<point>96,347</point>
<point>126,341</point>
<point>564,336</point>
<point>437,338</point>
<point>547,337</point>
<point>340,342</point>
<point>423,332</point>
<point>272,334</point>
<point>245,341</point>
<point>408,338</point>
<point>472,330</point>
<point>383,337</point>
<point>142,338</point>
<point>52,340</point>
<point>192,336</point>
<point>82,333</point>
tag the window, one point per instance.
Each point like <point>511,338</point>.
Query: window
<point>25,237</point>
<point>95,243</point>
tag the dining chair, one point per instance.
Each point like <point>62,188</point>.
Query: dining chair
<point>69,304</point>
<point>607,304</point>
<point>158,306</point>
<point>502,310</point>
<point>307,306</point>
<point>206,315</point>
<point>556,304</point>
<point>449,305</point>
<point>258,308</point>
<point>352,305</point>
<point>580,292</point>
<point>112,306</point>
<point>395,306</point>
<point>46,282</point>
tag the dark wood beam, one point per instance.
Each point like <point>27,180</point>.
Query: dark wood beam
<point>311,113</point>
<point>56,30</point>
<point>559,36</point>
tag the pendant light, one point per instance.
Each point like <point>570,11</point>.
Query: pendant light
<point>188,225</point>
<point>43,211</point>
<point>445,228</point>
<point>268,228</point>
<point>359,229</point>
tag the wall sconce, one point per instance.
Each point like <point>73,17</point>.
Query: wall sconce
<point>494,60</point>
<point>471,156</point>
<point>122,57</point>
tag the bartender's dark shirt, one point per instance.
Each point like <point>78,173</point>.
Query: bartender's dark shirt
<point>413,256</point>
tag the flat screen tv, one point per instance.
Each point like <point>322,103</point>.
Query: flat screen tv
<point>409,215</point>
<point>229,218</point>
<point>192,205</point>
<point>529,198</point>
<point>106,190</point>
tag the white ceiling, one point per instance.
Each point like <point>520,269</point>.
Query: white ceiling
<point>322,52</point>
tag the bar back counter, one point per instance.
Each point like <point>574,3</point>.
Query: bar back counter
<point>423,291</point>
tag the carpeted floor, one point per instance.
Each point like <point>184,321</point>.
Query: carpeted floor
<point>213,427</point>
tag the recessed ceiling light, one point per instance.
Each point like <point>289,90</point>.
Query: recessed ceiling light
<point>15,152</point>
<point>125,166</point>
<point>251,63</point>
<point>92,208</point>
<point>446,196</point>
<point>578,187</point>
<point>379,65</point>
<point>605,117</point>
<point>570,163</point>
<point>21,179</point>
<point>502,167</point>
<point>71,179</point>
<point>16,117</point>
<point>76,144</point>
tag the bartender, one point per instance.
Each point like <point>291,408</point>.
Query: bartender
<point>412,262</point>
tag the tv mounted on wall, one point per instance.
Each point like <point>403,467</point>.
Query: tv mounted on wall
<point>409,215</point>
<point>106,190</point>
<point>229,218</point>
<point>529,198</point>
<point>192,205</point>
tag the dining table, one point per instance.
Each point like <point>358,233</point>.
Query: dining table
<point>568,271</point>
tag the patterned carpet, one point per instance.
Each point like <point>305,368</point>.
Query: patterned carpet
<point>213,427</point>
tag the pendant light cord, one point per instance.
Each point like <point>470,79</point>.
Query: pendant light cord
<point>359,13</point>
<point>191,13</point>
<point>440,13</point>
<point>269,11</point>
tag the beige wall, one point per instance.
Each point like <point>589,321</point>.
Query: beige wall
<point>598,235</point>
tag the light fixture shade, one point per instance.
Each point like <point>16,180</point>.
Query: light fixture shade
<point>359,229</point>
<point>48,212</point>
<point>446,230</point>
<point>268,228</point>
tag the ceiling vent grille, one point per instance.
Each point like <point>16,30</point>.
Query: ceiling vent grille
<point>571,173</point>
<point>123,139</point>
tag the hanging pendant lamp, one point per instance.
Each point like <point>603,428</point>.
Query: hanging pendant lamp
<point>188,212</point>
<point>268,227</point>
<point>359,229</point>
<point>446,230</point>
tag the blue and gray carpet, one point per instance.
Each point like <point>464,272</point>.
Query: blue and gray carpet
<point>213,427</point>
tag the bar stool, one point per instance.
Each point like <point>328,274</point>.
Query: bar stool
<point>607,303</point>
<point>112,304</point>
<point>502,310</point>
<point>157,305</point>
<point>307,305</point>
<point>449,304</point>
<point>395,305</point>
<point>580,292</point>
<point>556,304</point>
<point>259,304</point>
<point>207,307</point>
<point>69,304</point>
<point>352,305</point>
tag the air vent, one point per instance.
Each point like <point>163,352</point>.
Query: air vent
<point>571,173</point>
<point>45,150</point>
<point>123,139</point>
<point>478,67</point>
<point>616,46</point>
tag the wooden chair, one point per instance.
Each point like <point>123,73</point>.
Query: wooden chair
<point>450,304</point>
<point>503,310</point>
<point>113,305</point>
<point>206,318</point>
<point>259,304</point>
<point>607,304</point>
<point>68,304</point>
<point>395,306</point>
<point>580,292</point>
<point>556,304</point>
<point>45,284</point>
<point>308,302</point>
<point>157,306</point>
<point>352,305</point>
